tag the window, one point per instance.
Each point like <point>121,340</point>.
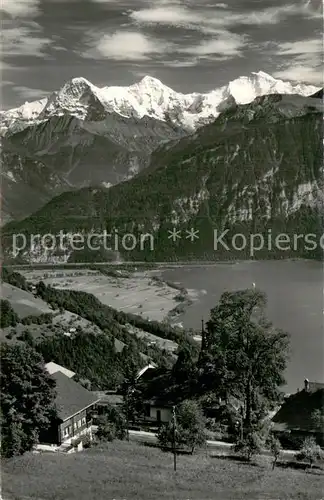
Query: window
<point>83,421</point>
<point>79,424</point>
<point>75,426</point>
<point>65,431</point>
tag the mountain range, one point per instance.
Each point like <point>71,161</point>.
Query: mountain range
<point>83,135</point>
<point>255,169</point>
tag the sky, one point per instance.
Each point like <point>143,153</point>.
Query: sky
<point>190,45</point>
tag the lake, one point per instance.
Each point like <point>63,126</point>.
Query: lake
<point>295,304</point>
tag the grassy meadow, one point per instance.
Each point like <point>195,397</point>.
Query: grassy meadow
<point>127,471</point>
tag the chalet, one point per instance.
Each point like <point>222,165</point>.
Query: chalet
<point>301,415</point>
<point>74,406</point>
<point>160,396</point>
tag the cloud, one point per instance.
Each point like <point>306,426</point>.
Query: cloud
<point>210,31</point>
<point>20,8</point>
<point>303,61</point>
<point>301,48</point>
<point>181,16</point>
<point>24,41</point>
<point>103,1</point>
<point>171,15</point>
<point>177,63</point>
<point>314,8</point>
<point>226,45</point>
<point>6,83</point>
<point>136,46</point>
<point>126,45</point>
<point>301,74</point>
<point>6,67</point>
<point>30,93</point>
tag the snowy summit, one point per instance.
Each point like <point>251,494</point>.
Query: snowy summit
<point>149,97</point>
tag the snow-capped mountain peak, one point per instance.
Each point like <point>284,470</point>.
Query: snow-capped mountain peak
<point>75,96</point>
<point>149,97</point>
<point>262,74</point>
<point>150,82</point>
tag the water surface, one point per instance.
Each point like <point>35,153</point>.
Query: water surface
<point>295,304</point>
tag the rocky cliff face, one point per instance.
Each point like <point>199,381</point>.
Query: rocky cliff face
<point>83,135</point>
<point>76,153</point>
<point>256,170</point>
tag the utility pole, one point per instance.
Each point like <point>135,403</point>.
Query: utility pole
<point>127,413</point>
<point>242,422</point>
<point>203,340</point>
<point>174,438</point>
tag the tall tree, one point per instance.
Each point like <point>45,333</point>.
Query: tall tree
<point>184,368</point>
<point>188,430</point>
<point>131,362</point>
<point>244,355</point>
<point>27,398</point>
<point>8,317</point>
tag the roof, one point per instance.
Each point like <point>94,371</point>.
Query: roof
<point>159,389</point>
<point>52,367</point>
<point>315,386</point>
<point>150,376</point>
<point>113,399</point>
<point>110,398</point>
<point>71,397</point>
<point>143,370</point>
<point>163,403</point>
<point>296,411</point>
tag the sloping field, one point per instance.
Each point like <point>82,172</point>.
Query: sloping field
<point>138,294</point>
<point>129,471</point>
<point>169,345</point>
<point>24,303</point>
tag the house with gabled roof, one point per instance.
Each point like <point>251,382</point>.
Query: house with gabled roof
<point>296,418</point>
<point>74,407</point>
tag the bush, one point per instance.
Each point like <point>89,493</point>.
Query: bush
<point>106,430</point>
<point>181,297</point>
<point>8,316</point>
<point>310,452</point>
<point>112,425</point>
<point>75,442</point>
<point>275,448</point>
<point>27,337</point>
<point>86,441</point>
<point>249,446</point>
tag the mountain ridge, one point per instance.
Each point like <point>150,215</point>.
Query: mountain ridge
<point>83,135</point>
<point>137,99</point>
<point>256,167</point>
